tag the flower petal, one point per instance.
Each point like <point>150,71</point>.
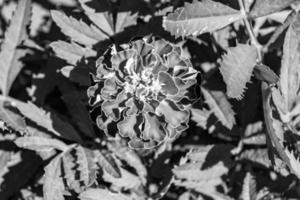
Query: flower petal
<point>172,113</point>
<point>153,128</point>
<point>168,85</point>
<point>129,127</point>
<point>112,108</point>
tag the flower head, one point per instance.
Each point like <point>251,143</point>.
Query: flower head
<point>141,90</point>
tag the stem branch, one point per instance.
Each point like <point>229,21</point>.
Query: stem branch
<point>250,30</point>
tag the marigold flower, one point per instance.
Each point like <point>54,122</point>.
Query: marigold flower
<point>141,90</point>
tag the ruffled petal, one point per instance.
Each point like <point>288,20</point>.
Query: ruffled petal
<point>173,115</point>
<point>168,85</point>
<point>162,47</point>
<point>153,128</point>
<point>129,127</point>
<point>112,108</point>
<point>109,89</point>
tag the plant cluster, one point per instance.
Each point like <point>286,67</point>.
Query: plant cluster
<point>149,99</point>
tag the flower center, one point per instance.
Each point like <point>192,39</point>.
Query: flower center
<point>143,85</point>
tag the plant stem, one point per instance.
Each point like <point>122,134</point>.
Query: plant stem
<point>250,30</point>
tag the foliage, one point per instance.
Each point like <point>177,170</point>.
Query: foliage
<point>149,99</point>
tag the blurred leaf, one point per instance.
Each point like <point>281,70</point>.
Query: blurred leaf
<point>264,73</point>
<point>256,156</point>
<point>78,74</point>
<point>200,117</point>
<point>125,19</point>
<point>16,33</point>
<point>95,194</point>
<point>193,171</point>
<point>127,180</point>
<point>36,143</point>
<point>107,162</point>
<point>48,120</point>
<point>200,17</point>
<point>98,13</point>
<point>71,52</point>
<point>77,109</point>
<point>266,7</point>
<point>12,117</point>
<point>289,71</point>
<point>22,167</point>
<point>53,187</point>
<point>78,31</point>
<point>131,158</point>
<point>219,105</point>
<point>249,188</point>
<point>236,68</point>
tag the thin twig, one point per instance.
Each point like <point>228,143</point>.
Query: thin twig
<point>250,30</point>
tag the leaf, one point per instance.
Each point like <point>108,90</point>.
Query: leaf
<point>79,168</point>
<point>22,167</point>
<point>131,158</point>
<point>71,52</point>
<point>200,117</point>
<point>236,68</point>
<point>95,194</point>
<point>16,33</point>
<point>220,106</point>
<point>202,169</point>
<point>53,187</point>
<point>77,109</point>
<point>264,73</point>
<point>104,20</point>
<point>78,31</point>
<point>36,143</point>
<point>107,162</point>
<point>257,156</point>
<point>12,117</point>
<point>127,180</point>
<point>125,19</point>
<point>249,187</point>
<point>289,71</point>
<point>48,120</point>
<point>266,7</point>
<point>200,17</point>
<point>78,74</point>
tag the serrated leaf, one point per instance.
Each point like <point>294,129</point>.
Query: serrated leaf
<point>107,162</point>
<point>125,19</point>
<point>236,68</point>
<point>266,7</point>
<point>48,120</point>
<point>202,169</point>
<point>289,71</point>
<point>71,52</point>
<point>95,194</point>
<point>78,31</point>
<point>36,143</point>
<point>12,118</point>
<point>200,117</point>
<point>53,187</point>
<point>79,168</point>
<point>16,33</point>
<point>220,106</point>
<point>200,17</point>
<point>249,187</point>
<point>104,20</point>
<point>257,156</point>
